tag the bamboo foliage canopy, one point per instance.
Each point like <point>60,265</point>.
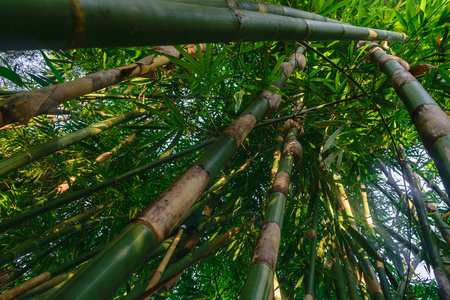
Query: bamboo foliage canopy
<point>365,206</point>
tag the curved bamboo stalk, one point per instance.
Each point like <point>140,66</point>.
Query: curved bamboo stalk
<point>32,154</point>
<point>64,24</point>
<point>262,268</point>
<point>158,220</point>
<point>20,218</point>
<point>431,122</point>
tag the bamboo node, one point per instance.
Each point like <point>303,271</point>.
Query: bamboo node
<point>240,128</point>
<point>300,59</point>
<point>80,23</point>
<point>273,98</point>
<point>431,123</point>
<point>281,183</point>
<point>400,78</point>
<point>294,148</point>
<point>386,57</point>
<point>266,250</point>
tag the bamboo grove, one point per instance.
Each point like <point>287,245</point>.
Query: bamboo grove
<point>192,149</point>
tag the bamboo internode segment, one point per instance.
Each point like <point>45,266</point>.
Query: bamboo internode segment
<point>157,22</point>
<point>431,122</point>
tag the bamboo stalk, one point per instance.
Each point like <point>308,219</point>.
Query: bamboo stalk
<point>431,122</point>
<point>35,244</point>
<point>187,261</point>
<point>427,234</point>
<point>64,25</point>
<point>32,154</point>
<point>313,248</point>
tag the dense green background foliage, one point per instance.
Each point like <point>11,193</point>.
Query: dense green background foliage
<point>193,102</point>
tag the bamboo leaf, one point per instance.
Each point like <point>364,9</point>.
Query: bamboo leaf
<point>11,75</point>
<point>175,111</point>
<point>238,98</point>
<point>331,139</point>
<point>52,67</point>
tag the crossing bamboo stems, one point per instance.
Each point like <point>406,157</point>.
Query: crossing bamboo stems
<point>160,218</point>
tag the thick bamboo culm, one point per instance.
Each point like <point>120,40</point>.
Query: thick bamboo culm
<point>262,269</point>
<point>431,122</point>
<point>156,222</point>
<point>72,24</point>
<point>18,160</point>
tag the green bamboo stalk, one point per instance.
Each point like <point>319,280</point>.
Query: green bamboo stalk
<point>261,7</point>
<point>46,286</point>
<point>64,24</point>
<point>335,237</point>
<point>431,122</point>
<point>34,262</point>
<point>32,154</point>
<point>56,275</point>
<point>352,284</point>
<point>373,283</point>
<point>339,277</point>
<point>20,218</point>
<point>313,247</point>
<point>262,268</point>
<point>427,234</point>
<point>378,263</point>
<point>158,220</point>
